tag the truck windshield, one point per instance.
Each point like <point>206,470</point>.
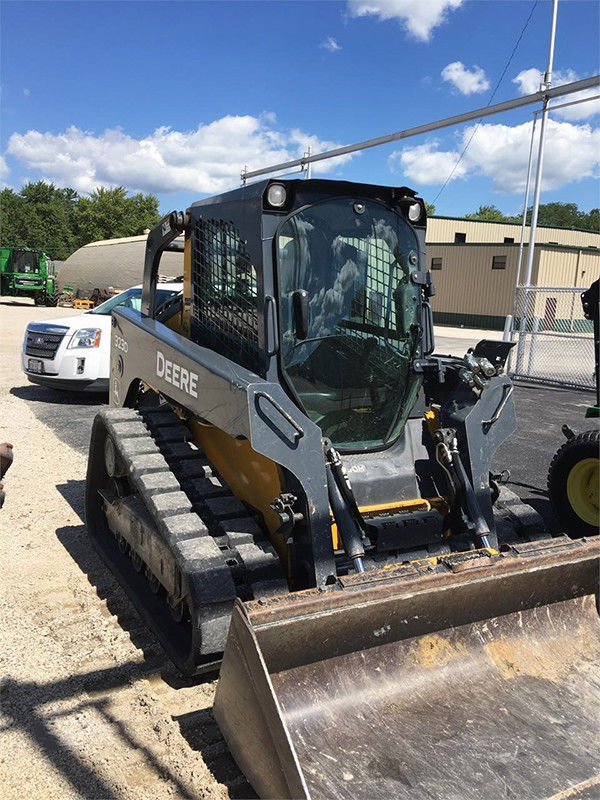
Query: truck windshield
<point>353,372</point>
<point>132,298</point>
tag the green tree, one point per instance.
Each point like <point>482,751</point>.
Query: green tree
<point>490,213</point>
<point>430,209</point>
<point>39,216</point>
<point>566,215</point>
<point>58,221</point>
<point>10,219</point>
<point>110,214</point>
<point>593,220</point>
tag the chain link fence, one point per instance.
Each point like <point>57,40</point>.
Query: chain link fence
<point>554,341</point>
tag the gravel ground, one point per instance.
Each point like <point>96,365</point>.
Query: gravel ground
<point>90,706</point>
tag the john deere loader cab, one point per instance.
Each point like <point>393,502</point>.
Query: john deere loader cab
<point>290,475</point>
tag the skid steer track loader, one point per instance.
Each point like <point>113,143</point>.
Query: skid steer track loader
<point>291,486</point>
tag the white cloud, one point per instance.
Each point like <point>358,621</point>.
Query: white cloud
<point>419,17</point>
<point>26,92</point>
<point>424,164</point>
<point>529,81</point>
<point>205,160</point>
<point>4,170</point>
<point>467,81</point>
<point>330,44</point>
<point>501,152</point>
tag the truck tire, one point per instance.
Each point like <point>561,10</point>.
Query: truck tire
<point>573,485</point>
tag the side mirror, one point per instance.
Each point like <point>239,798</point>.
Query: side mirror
<point>300,310</point>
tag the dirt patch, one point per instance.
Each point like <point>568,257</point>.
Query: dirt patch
<point>433,650</point>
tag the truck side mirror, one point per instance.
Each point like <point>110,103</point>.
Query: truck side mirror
<point>300,310</point>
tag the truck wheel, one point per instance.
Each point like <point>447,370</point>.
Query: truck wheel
<point>573,485</point>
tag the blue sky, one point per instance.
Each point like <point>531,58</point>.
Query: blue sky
<point>175,97</point>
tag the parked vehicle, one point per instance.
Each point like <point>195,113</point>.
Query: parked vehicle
<point>74,352</point>
<point>25,273</point>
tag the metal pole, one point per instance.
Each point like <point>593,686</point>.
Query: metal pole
<point>544,88</point>
<point>308,163</point>
<point>546,84</point>
<point>498,108</point>
<point>518,303</point>
<point>534,332</point>
<point>526,202</point>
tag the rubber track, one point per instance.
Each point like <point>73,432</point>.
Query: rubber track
<point>221,552</point>
<point>517,521</point>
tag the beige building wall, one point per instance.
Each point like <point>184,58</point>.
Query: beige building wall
<point>561,267</point>
<point>443,229</point>
<point>468,291</point>
<point>471,293</point>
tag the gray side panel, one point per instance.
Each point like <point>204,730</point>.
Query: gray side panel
<point>236,401</point>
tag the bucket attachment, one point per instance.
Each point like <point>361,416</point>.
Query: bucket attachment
<point>469,676</point>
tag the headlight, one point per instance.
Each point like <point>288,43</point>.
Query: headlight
<point>276,195</point>
<point>414,212</point>
<point>85,337</point>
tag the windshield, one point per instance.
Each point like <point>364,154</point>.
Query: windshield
<point>132,298</point>
<point>353,372</point>
<point>25,261</point>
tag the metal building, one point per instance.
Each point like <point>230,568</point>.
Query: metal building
<point>117,263</point>
<point>475,266</point>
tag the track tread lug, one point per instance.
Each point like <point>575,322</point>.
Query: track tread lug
<point>199,468</point>
<point>158,482</point>
<point>169,504</point>
<point>222,508</point>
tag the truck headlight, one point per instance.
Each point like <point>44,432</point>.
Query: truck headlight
<point>85,337</point>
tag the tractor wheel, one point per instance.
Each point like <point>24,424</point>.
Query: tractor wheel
<point>52,299</point>
<point>573,480</point>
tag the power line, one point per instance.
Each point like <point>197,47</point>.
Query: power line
<point>496,87</point>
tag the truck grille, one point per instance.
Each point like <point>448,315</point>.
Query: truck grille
<point>43,340</point>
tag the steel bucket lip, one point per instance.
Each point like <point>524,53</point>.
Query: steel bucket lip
<point>413,579</point>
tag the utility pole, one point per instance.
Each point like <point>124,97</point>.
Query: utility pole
<point>546,85</point>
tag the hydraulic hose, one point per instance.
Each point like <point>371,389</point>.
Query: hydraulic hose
<point>346,524</point>
<point>481,527</point>
<point>448,456</point>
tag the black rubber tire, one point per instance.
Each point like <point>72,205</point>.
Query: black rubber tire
<point>52,299</point>
<point>574,450</point>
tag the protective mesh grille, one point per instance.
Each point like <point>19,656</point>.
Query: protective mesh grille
<point>224,293</point>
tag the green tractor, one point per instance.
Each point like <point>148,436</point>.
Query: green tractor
<point>574,474</point>
<point>25,273</point>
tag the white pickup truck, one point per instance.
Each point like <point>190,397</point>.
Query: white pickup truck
<point>74,352</point>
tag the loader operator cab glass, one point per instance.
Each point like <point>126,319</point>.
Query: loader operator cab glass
<point>353,370</point>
